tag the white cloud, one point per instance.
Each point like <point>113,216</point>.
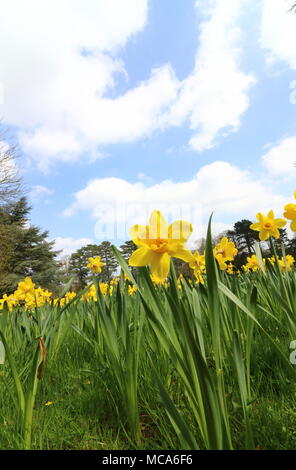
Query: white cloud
<point>231,193</point>
<point>214,96</point>
<point>39,191</point>
<point>59,60</point>
<point>70,245</point>
<point>142,177</point>
<point>280,160</point>
<point>278,32</point>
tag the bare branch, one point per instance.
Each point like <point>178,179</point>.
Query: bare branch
<point>10,179</point>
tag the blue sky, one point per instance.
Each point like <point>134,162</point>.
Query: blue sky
<point>187,106</point>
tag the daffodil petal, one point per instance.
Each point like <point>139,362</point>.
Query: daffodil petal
<point>158,226</point>
<point>179,251</point>
<point>141,257</point>
<point>270,214</point>
<point>256,226</point>
<point>293,226</point>
<point>263,235</point>
<point>275,233</point>
<point>180,230</point>
<point>259,217</point>
<point>280,222</point>
<point>138,233</point>
<point>160,266</point>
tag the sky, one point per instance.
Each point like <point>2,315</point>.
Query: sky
<point>121,107</point>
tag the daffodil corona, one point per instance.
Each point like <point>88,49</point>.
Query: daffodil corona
<point>157,242</point>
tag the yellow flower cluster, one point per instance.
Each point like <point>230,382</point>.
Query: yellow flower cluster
<point>158,242</point>
<point>253,265</point>
<point>30,297</point>
<point>268,226</point>
<point>27,295</point>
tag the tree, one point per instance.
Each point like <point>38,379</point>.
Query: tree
<point>283,240</point>
<point>78,262</point>
<point>10,180</point>
<point>127,250</point>
<point>107,257</point>
<point>26,250</point>
<point>243,236</point>
<point>292,247</point>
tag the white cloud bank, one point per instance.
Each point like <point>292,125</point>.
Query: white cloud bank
<point>215,95</point>
<point>230,192</point>
<point>278,32</point>
<point>70,245</point>
<point>59,58</point>
<point>280,160</point>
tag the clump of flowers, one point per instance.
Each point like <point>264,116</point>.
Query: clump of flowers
<point>225,251</point>
<point>286,263</point>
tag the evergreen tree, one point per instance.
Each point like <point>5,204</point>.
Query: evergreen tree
<point>243,236</point>
<point>127,250</point>
<point>78,262</point>
<point>292,247</point>
<point>283,240</point>
<point>26,250</point>
<point>107,257</point>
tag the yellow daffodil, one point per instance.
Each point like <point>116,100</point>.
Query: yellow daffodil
<point>290,214</point>
<point>157,242</point>
<point>252,264</point>
<point>225,251</point>
<point>286,264</point>
<point>268,226</point>
<point>131,290</point>
<point>25,287</point>
<point>198,264</point>
<point>230,268</point>
<point>95,264</point>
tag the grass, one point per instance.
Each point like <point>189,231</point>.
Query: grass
<point>202,367</point>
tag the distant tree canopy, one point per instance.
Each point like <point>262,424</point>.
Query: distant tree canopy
<point>79,260</point>
<point>25,250</point>
<point>127,250</point>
